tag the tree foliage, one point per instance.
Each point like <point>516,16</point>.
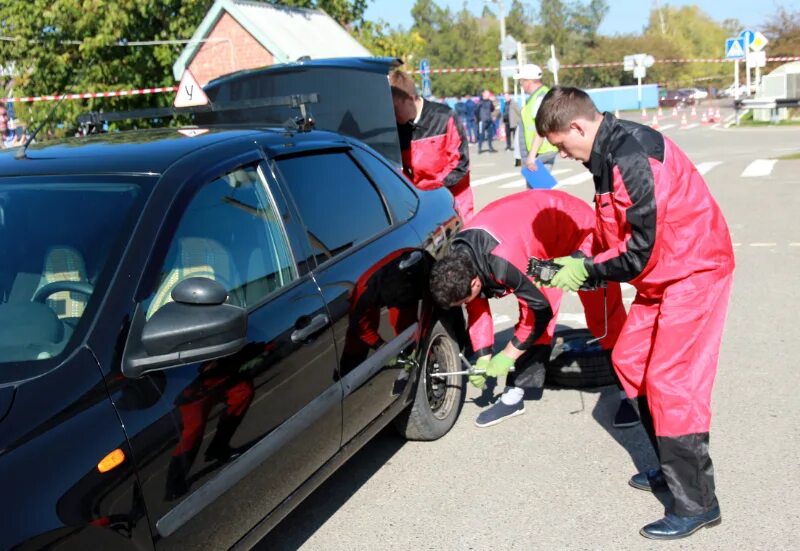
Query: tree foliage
<point>67,46</point>
<point>349,13</point>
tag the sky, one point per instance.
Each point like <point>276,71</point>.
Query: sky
<point>624,16</point>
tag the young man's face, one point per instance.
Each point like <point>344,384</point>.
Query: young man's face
<point>573,143</point>
<point>405,109</point>
<point>474,290</point>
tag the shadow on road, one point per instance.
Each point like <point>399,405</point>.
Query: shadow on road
<point>318,507</point>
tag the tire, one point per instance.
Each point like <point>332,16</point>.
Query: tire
<point>578,368</point>
<point>437,402</point>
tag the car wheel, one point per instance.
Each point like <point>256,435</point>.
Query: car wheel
<point>574,364</point>
<point>438,400</point>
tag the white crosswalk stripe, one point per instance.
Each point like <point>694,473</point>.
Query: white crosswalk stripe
<point>704,168</point>
<point>575,180</point>
<point>759,168</point>
<point>492,179</point>
<point>666,127</point>
<point>512,185</point>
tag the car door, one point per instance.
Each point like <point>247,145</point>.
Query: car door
<point>369,268</point>
<point>233,437</point>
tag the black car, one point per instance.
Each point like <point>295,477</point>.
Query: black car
<point>675,98</point>
<point>199,325</point>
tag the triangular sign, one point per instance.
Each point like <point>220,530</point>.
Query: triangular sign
<point>735,50</point>
<point>190,94</point>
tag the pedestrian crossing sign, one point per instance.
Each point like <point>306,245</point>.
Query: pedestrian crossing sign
<point>734,48</point>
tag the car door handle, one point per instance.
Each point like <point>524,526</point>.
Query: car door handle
<point>317,323</point>
<point>413,258</point>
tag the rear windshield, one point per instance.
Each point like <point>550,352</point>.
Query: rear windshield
<point>55,240</point>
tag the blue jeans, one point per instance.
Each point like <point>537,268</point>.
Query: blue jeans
<point>485,133</point>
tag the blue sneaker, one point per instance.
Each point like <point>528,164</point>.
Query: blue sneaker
<point>499,412</point>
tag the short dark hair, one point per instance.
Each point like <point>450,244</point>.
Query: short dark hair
<point>402,85</point>
<point>451,278</point>
<point>560,106</point>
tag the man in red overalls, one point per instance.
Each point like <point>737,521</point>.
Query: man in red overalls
<point>489,258</point>
<point>434,148</point>
<point>660,229</point>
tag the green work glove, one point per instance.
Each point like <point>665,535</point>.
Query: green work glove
<point>479,380</point>
<point>571,276</point>
<point>500,365</point>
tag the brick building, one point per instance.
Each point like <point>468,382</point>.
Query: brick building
<point>245,34</point>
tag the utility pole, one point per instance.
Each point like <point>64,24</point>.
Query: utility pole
<point>501,16</point>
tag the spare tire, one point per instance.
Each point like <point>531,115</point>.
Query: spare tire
<point>574,364</point>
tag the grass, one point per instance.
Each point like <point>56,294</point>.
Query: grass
<point>789,157</point>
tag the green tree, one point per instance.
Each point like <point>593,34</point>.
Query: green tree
<point>783,31</point>
<point>62,46</point>
<point>349,13</point>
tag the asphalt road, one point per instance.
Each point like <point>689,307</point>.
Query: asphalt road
<point>556,477</point>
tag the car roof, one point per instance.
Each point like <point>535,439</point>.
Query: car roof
<point>149,151</point>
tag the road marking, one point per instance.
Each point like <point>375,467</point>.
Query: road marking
<point>695,125</point>
<point>758,168</point>
<point>763,244</point>
<point>478,165</point>
<point>580,319</point>
<point>574,180</point>
<point>501,318</point>
<point>737,244</point>
<point>794,244</point>
<point>665,127</point>
<point>521,183</point>
<point>558,171</point>
<point>490,179</point>
<point>703,168</point>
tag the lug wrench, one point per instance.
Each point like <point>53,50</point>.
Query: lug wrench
<point>469,371</point>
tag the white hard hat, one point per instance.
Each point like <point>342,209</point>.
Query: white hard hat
<point>529,71</point>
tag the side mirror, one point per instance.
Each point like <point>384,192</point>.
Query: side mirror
<point>197,326</point>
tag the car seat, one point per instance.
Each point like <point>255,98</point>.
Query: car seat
<point>196,257</point>
<point>64,263</point>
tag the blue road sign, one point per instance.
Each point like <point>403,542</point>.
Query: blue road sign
<point>735,48</point>
<point>426,87</point>
<point>748,36</point>
<point>424,67</point>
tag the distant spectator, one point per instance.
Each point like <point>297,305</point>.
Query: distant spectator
<point>432,143</point>
<point>483,115</point>
<point>469,118</point>
<point>7,134</point>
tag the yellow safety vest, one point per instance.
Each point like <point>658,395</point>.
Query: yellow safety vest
<point>529,121</point>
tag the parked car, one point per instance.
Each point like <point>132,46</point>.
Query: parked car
<point>697,94</point>
<point>675,98</point>
<point>199,325</point>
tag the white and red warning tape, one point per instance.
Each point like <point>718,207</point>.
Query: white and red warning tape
<point>604,64</point>
<point>165,89</point>
<point>91,95</point>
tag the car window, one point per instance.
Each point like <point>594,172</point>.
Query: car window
<point>56,239</point>
<point>229,233</point>
<point>402,201</point>
<point>339,206</point>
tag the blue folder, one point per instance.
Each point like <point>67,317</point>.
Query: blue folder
<point>540,179</point>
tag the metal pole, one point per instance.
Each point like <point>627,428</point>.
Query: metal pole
<point>747,68</point>
<point>502,17</point>
<point>639,91</point>
<point>736,81</point>
<point>553,57</point>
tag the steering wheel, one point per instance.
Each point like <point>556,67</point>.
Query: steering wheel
<point>81,287</point>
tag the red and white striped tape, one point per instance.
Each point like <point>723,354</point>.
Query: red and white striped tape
<point>605,64</point>
<point>165,89</point>
<point>91,95</point>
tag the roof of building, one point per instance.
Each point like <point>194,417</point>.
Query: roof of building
<point>288,33</point>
